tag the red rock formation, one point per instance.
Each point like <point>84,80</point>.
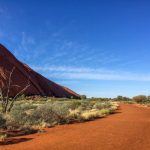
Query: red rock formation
<point>23,74</point>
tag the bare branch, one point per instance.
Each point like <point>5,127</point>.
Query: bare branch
<point>9,83</point>
<point>18,94</point>
<point>1,93</point>
<point>8,89</point>
<point>16,85</point>
<point>7,104</point>
<point>1,97</point>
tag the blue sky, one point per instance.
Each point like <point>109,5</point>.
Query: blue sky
<point>100,48</point>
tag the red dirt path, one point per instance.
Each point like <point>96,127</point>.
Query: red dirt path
<point>129,129</point>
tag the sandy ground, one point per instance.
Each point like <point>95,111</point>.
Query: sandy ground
<point>128,129</point>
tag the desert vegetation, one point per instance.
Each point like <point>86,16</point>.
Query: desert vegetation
<point>139,99</point>
<point>33,115</point>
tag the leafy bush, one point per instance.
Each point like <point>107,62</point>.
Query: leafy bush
<point>140,98</point>
<point>19,115</point>
<point>50,114</point>
<point>74,104</point>
<point>43,114</point>
<point>122,98</point>
<point>16,119</point>
<point>86,105</point>
<point>61,110</point>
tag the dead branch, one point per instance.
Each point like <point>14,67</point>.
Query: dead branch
<point>8,104</point>
<point>18,94</point>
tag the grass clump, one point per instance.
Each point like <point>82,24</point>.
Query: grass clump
<point>3,137</point>
<point>90,115</point>
<point>105,111</point>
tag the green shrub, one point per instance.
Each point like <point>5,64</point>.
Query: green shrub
<point>46,114</point>
<point>74,104</point>
<point>102,105</point>
<point>86,105</point>
<point>43,115</point>
<point>105,111</point>
<point>16,118</point>
<point>19,116</point>
<point>122,98</point>
<point>140,98</point>
<point>49,113</point>
<point>62,111</point>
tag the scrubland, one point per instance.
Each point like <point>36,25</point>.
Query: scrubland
<point>30,115</point>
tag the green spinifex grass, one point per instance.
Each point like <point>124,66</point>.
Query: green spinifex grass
<point>51,111</point>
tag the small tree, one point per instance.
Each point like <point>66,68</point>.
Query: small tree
<point>140,98</point>
<point>7,102</point>
<point>83,96</point>
<point>122,98</point>
<point>119,98</point>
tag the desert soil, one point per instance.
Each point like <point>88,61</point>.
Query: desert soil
<point>127,129</point>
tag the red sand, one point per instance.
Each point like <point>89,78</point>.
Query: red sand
<point>128,129</point>
<point>22,73</point>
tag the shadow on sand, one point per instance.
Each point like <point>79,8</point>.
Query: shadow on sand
<point>14,141</point>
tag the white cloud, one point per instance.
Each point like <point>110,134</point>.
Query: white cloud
<point>26,41</point>
<point>63,72</point>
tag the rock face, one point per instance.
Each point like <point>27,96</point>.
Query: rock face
<point>23,74</point>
